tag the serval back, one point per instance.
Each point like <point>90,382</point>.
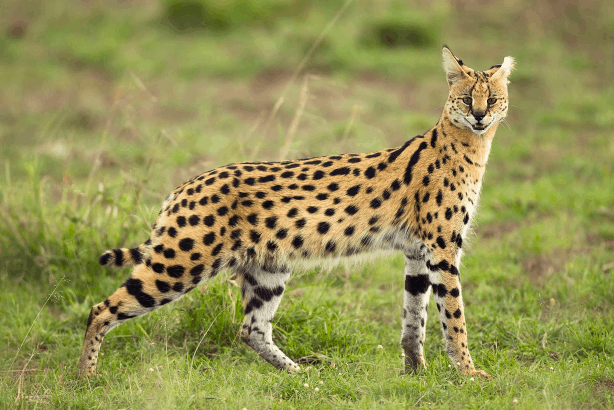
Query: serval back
<point>262,219</point>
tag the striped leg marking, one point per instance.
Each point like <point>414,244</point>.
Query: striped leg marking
<point>262,291</point>
<point>415,305</point>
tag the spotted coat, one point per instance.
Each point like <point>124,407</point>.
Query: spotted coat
<point>262,219</point>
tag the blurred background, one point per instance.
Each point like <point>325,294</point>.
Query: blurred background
<point>105,106</point>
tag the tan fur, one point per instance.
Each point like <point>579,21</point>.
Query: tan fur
<point>263,219</point>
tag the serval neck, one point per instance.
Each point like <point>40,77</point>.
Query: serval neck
<point>463,143</point>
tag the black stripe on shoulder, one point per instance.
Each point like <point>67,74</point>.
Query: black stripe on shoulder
<point>412,162</point>
<point>394,155</point>
<point>433,137</point>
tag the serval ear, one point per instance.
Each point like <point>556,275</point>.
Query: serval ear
<point>504,71</point>
<point>452,67</point>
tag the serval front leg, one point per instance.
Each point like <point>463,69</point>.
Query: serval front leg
<point>415,305</point>
<point>445,279</point>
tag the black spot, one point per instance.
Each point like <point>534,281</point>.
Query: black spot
<point>457,314</point>
<point>329,212</point>
<point>375,203</point>
<point>234,220</point>
<point>416,285</point>
<point>439,198</point>
<point>302,177</point>
<point>374,155</point>
<point>327,163</point>
<point>448,214</point>
<point>353,191</point>
<point>169,253</point>
<point>282,233</point>
<point>321,197</point>
<point>157,267</point>
<point>331,246</point>
<point>236,234</point>
<point>223,210</point>
<point>454,292</point>
<point>253,219</point>
<point>374,220</point>
<point>268,178</point>
<point>172,232</point>
<point>254,303</point>
<point>195,256</point>
<point>215,199</point>
<point>312,209</point>
<point>175,271</point>
<point>217,249</point>
<point>349,231</point>
<point>260,195</point>
<point>162,286</point>
<point>333,187</point>
<point>271,222</point>
<point>287,174</point>
<point>319,174</point>
<point>216,266</point>
<point>255,236</point>
<point>297,242</point>
<point>323,227</point>
<point>209,238</point>
<point>268,204</point>
<point>340,171</point>
<point>426,197</point>
<point>225,189</point>
<point>271,246</point>
<point>426,180</point>
<point>370,172</point>
<point>381,166</point>
<point>204,200</point>
<point>396,185</point>
<point>292,213</point>
<point>466,219</point>
<point>210,181</point>
<point>194,220</point>
<point>135,288</point>
<point>351,209</point>
<point>209,220</point>
<point>440,290</point>
<point>308,187</point>
<point>277,188</point>
<point>354,160</point>
<point>433,137</point>
<point>300,223</point>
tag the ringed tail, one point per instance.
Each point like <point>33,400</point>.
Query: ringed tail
<point>123,256</point>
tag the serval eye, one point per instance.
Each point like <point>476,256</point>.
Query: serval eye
<point>491,101</point>
<point>467,100</point>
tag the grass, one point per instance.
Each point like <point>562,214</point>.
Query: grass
<point>105,109</point>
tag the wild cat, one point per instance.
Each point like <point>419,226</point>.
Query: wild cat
<point>263,218</point>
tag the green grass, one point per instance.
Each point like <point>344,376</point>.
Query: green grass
<point>103,110</point>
